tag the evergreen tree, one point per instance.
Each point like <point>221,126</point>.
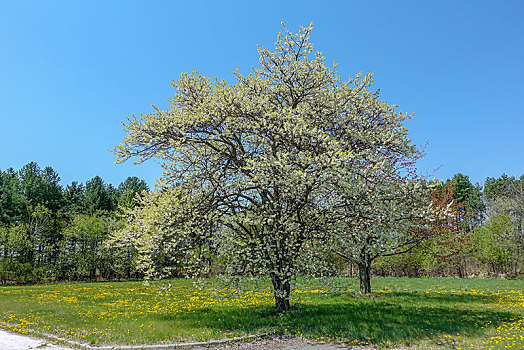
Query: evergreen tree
<point>13,203</point>
<point>128,189</point>
<point>74,197</point>
<point>97,196</point>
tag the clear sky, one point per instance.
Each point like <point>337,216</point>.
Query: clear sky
<point>70,71</point>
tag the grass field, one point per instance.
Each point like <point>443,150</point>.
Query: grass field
<point>438,313</point>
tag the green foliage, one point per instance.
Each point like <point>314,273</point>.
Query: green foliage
<point>19,245</point>
<point>498,187</point>
<point>80,247</point>
<point>74,197</point>
<point>464,192</point>
<point>15,272</point>
<point>129,189</point>
<point>13,203</point>
<point>505,201</point>
<point>462,187</point>
<point>493,243</point>
<point>97,196</point>
<point>41,186</point>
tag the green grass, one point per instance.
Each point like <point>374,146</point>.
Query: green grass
<point>440,313</point>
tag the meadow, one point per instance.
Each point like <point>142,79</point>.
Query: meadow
<point>443,313</point>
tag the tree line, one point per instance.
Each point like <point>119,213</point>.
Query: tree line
<point>487,238</point>
<point>49,232</point>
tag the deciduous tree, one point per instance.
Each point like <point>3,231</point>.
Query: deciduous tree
<point>263,153</point>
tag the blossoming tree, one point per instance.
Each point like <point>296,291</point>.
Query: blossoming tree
<point>263,155</point>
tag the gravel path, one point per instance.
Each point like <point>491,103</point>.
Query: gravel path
<point>10,341</point>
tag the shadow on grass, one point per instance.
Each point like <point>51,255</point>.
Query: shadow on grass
<point>387,317</point>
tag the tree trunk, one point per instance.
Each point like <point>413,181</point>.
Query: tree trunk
<point>460,273</point>
<point>282,290</point>
<point>364,275</point>
<point>516,263</point>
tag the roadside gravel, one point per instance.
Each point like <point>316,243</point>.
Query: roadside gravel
<point>281,343</point>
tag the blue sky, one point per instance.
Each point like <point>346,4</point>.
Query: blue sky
<point>70,71</point>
